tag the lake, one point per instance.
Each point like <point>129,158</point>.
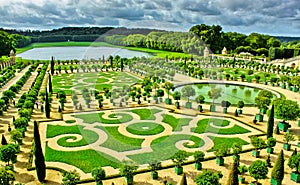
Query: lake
<point>70,53</point>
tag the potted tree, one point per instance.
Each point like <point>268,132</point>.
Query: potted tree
<point>214,93</point>
<point>220,153</point>
<point>258,170</point>
<point>187,92</point>
<point>178,159</point>
<point>177,97</point>
<point>198,157</point>
<point>257,143</point>
<point>294,163</point>
<point>160,93</point>
<point>240,105</point>
<point>287,138</point>
<point>168,86</point>
<point>225,105</point>
<point>200,100</point>
<point>127,170</point>
<point>154,166</point>
<point>262,103</point>
<point>99,175</point>
<point>286,110</point>
<point>242,170</point>
<point>236,150</point>
<point>271,142</point>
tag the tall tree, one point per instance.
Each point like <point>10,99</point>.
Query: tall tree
<point>47,105</point>
<point>278,169</point>
<point>271,123</point>
<point>40,165</point>
<point>50,84</point>
<point>52,65</point>
<point>233,174</point>
<point>5,43</point>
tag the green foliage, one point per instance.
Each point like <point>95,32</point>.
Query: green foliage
<point>208,177</point>
<point>16,136</point>
<point>6,43</point>
<point>288,137</point>
<point>270,128</point>
<point>294,163</point>
<point>258,143</point>
<point>3,140</point>
<point>271,142</point>
<point>262,102</point>
<point>221,150</point>
<point>8,153</point>
<point>278,169</point>
<point>188,91</point>
<point>214,93</point>
<point>38,153</point>
<point>175,123</point>
<point>128,169</point>
<point>237,148</point>
<point>98,174</point>
<point>7,177</point>
<point>242,169</point>
<point>200,99</point>
<point>70,178</point>
<point>240,104</point>
<point>286,109</point>
<point>199,156</point>
<point>180,157</point>
<point>176,95</point>
<point>154,165</point>
<point>258,170</point>
<point>146,114</point>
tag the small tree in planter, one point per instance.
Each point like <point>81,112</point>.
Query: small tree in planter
<point>70,178</point>
<point>242,170</point>
<point>127,170</point>
<point>220,153</point>
<point>177,97</point>
<point>294,163</point>
<point>99,175</point>
<point>200,100</point>
<point>198,157</point>
<point>236,150</point>
<point>278,170</point>
<point>257,143</point>
<point>233,174</point>
<point>187,92</point>
<point>271,142</point>
<point>262,103</point>
<point>287,138</point>
<point>178,159</point>
<point>214,93</point>
<point>258,170</point>
<point>160,93</point>
<point>225,105</point>
<point>240,105</point>
<point>286,110</point>
<point>154,166</point>
<point>168,86</point>
<point>208,177</point>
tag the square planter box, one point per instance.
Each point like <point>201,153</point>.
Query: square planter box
<point>274,182</point>
<point>178,170</point>
<point>287,147</point>
<point>200,108</point>
<point>265,83</point>
<point>160,100</point>
<point>198,166</point>
<point>225,110</point>
<point>249,80</point>
<point>263,111</point>
<point>177,105</point>
<point>295,177</point>
<point>240,111</point>
<point>168,101</point>
<point>154,175</point>
<point>298,123</point>
<point>129,180</point>
<point>220,161</point>
<point>241,179</point>
<point>259,117</point>
<point>283,86</point>
<point>212,108</point>
<point>188,105</point>
<point>283,126</point>
<point>255,153</point>
<point>270,150</point>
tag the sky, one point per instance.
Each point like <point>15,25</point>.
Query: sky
<point>273,17</point>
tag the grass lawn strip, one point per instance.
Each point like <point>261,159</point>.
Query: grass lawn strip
<point>116,118</point>
<point>146,114</point>
<point>176,123</point>
<point>220,141</point>
<point>145,128</point>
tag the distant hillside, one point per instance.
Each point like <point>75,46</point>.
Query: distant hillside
<point>287,39</point>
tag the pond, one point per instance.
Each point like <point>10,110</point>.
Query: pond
<point>79,53</point>
<point>230,92</point>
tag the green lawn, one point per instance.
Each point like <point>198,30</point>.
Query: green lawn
<point>146,114</point>
<point>221,141</point>
<point>204,126</point>
<point>117,118</point>
<point>176,123</point>
<point>145,128</point>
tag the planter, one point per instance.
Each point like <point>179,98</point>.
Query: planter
<point>188,105</point>
<point>272,84</point>
<point>263,111</point>
<point>283,86</point>
<point>129,180</point>
<point>287,147</point>
<point>198,166</point>
<point>220,161</point>
<point>200,108</point>
<point>270,150</point>
<point>249,80</point>
<point>283,126</point>
<point>241,179</point>
<point>177,105</point>
<point>290,88</point>
<point>265,83</point>
<point>240,111</point>
<point>154,175</point>
<point>295,89</point>
<point>275,182</point>
<point>168,101</point>
<point>178,170</point>
<point>255,153</point>
<point>200,77</point>
<point>212,108</point>
<point>160,100</point>
<point>298,123</point>
<point>259,117</point>
<point>225,110</point>
<point>295,177</point>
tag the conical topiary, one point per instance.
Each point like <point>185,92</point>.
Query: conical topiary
<point>3,141</point>
<point>38,153</point>
<point>183,180</point>
<point>233,174</point>
<point>278,169</point>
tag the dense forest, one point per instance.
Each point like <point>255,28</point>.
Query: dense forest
<point>194,41</point>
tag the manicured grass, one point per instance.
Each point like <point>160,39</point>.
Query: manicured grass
<point>118,142</point>
<point>220,141</point>
<point>160,53</point>
<point>70,121</point>
<point>176,123</point>
<point>85,160</point>
<point>146,114</point>
<point>98,117</point>
<point>219,122</point>
<point>88,136</point>
<point>204,126</point>
<point>164,148</point>
<point>145,128</point>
